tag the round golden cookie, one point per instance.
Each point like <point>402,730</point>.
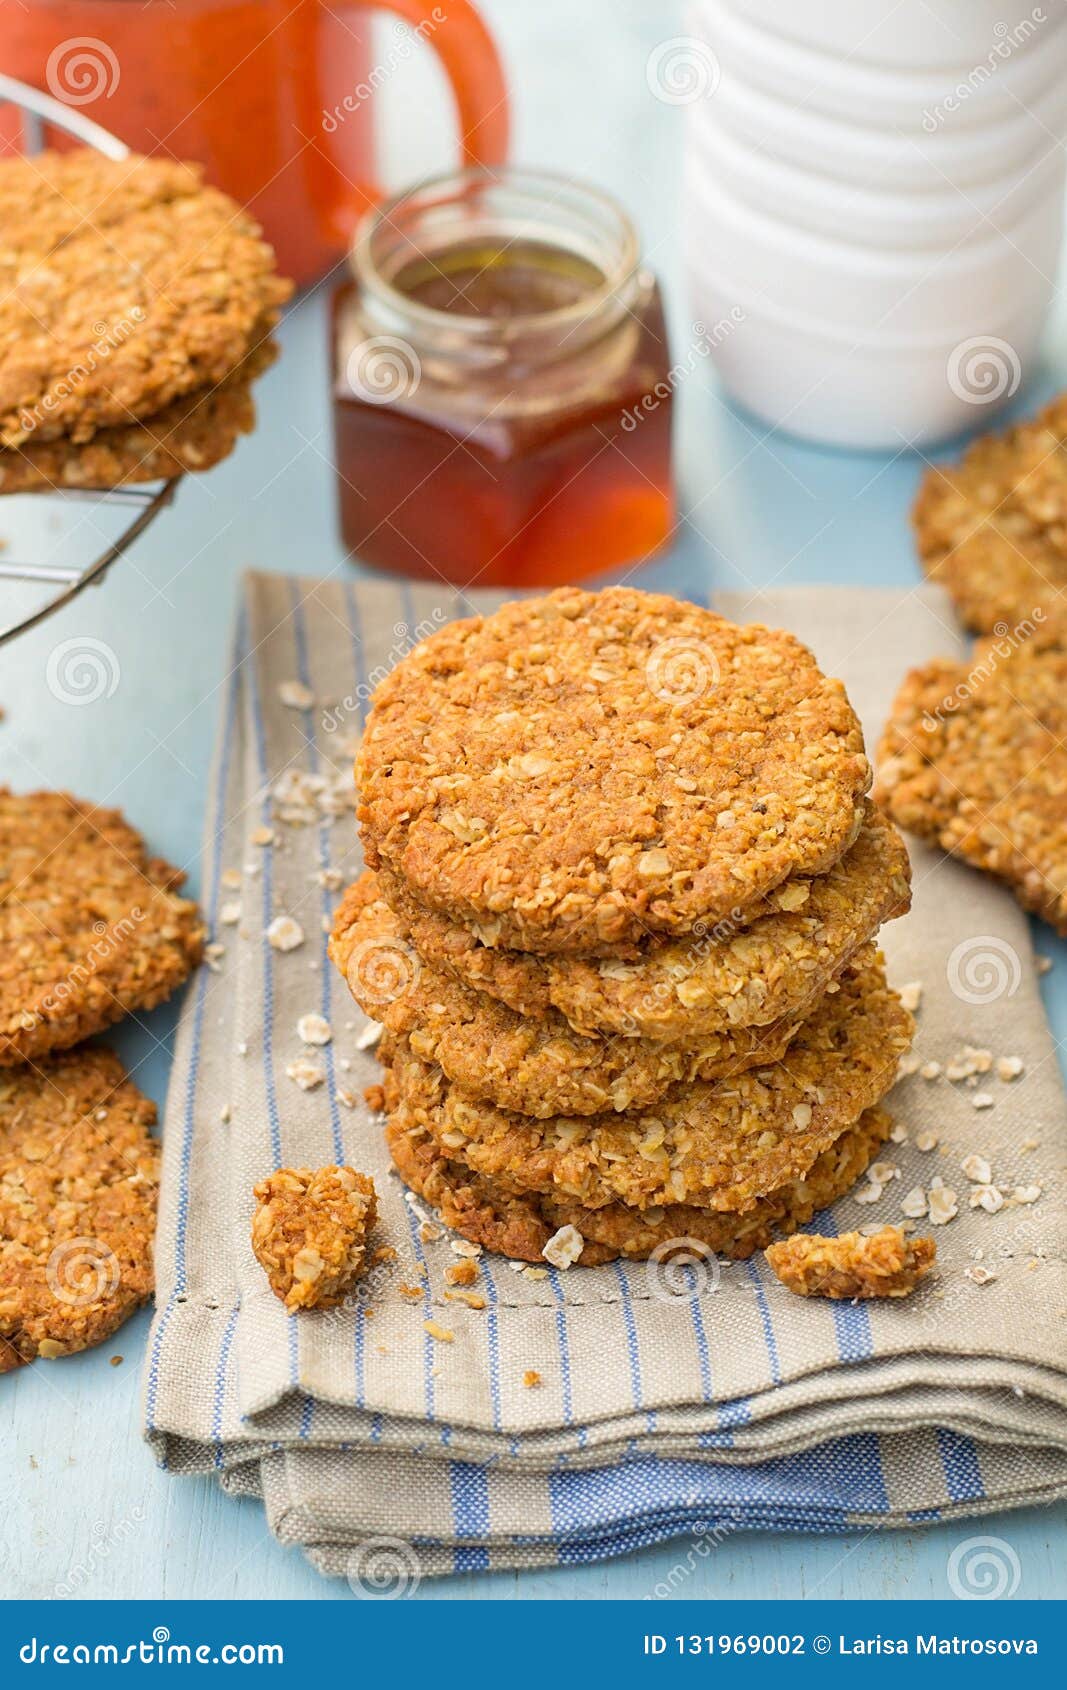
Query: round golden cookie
<point>991,527</point>
<point>719,1145</point>
<point>90,925</point>
<point>520,1227</point>
<point>585,769</point>
<point>123,285</point>
<point>536,1066</point>
<point>974,757</point>
<point>78,1175</point>
<point>705,983</point>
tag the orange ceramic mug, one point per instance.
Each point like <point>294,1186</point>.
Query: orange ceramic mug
<point>274,97</point>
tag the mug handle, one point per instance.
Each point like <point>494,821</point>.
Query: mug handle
<point>473,66</point>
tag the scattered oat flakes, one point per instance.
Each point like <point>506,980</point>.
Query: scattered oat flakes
<point>987,1197</point>
<point>464,1247</point>
<point>295,695</point>
<point>1026,1194</point>
<point>443,1334</point>
<point>530,1272</point>
<point>463,1272</point>
<point>330,879</point>
<point>285,934</point>
<point>911,995</point>
<point>306,1075</point>
<point>429,1233</point>
<point>230,912</point>
<point>980,1275</point>
<point>1030,1144</point>
<point>908,1064</point>
<point>231,878</point>
<point>977,1169</point>
<point>368,1038</point>
<point>926,1141</point>
<point>983,1100</point>
<point>225,1115</point>
<point>1044,964</point>
<point>914,1203</point>
<point>349,1098</point>
<point>930,1070</point>
<point>899,1134</point>
<point>314,1030</point>
<point>868,1194</point>
<point>261,836</point>
<point>213,955</point>
<point>942,1206</point>
<point>473,1299</point>
<point>564,1247</point>
<point>1009,1067</point>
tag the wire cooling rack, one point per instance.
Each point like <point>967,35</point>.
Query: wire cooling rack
<point>74,535</point>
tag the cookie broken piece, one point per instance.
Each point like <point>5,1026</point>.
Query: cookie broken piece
<point>973,758</point>
<point>309,1233</point>
<point>91,927</point>
<point>885,1264</point>
<point>78,1178</point>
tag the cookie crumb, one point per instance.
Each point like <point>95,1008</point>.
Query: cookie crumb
<point>285,934</point>
<point>886,1264</point>
<point>443,1334</point>
<point>564,1247</point>
<point>531,1379</point>
<point>309,1233</point>
<point>462,1273</point>
<point>314,1030</point>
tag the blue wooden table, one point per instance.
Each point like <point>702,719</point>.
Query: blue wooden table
<point>83,1511</point>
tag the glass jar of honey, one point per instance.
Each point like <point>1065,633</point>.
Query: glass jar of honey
<point>502,402</point>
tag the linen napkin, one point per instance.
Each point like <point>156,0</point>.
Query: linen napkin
<point>719,1401</point>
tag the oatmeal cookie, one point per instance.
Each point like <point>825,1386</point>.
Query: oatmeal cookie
<point>885,1264</point>
<point>992,527</point>
<point>520,1227</point>
<point>309,1233</point>
<point>719,1145</point>
<point>192,433</point>
<point>78,1176</point>
<point>974,758</point>
<point>537,1067</point>
<point>123,285</point>
<point>575,772</point>
<point>684,989</point>
<point>90,926</point>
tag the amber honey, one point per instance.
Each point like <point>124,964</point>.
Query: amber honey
<point>501,403</point>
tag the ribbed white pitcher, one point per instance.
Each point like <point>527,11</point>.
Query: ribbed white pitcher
<point>874,207</point>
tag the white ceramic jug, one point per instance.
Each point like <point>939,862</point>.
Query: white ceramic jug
<point>874,207</point>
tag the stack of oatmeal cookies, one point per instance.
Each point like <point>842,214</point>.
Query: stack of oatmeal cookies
<point>618,924</point>
<point>136,306</point>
